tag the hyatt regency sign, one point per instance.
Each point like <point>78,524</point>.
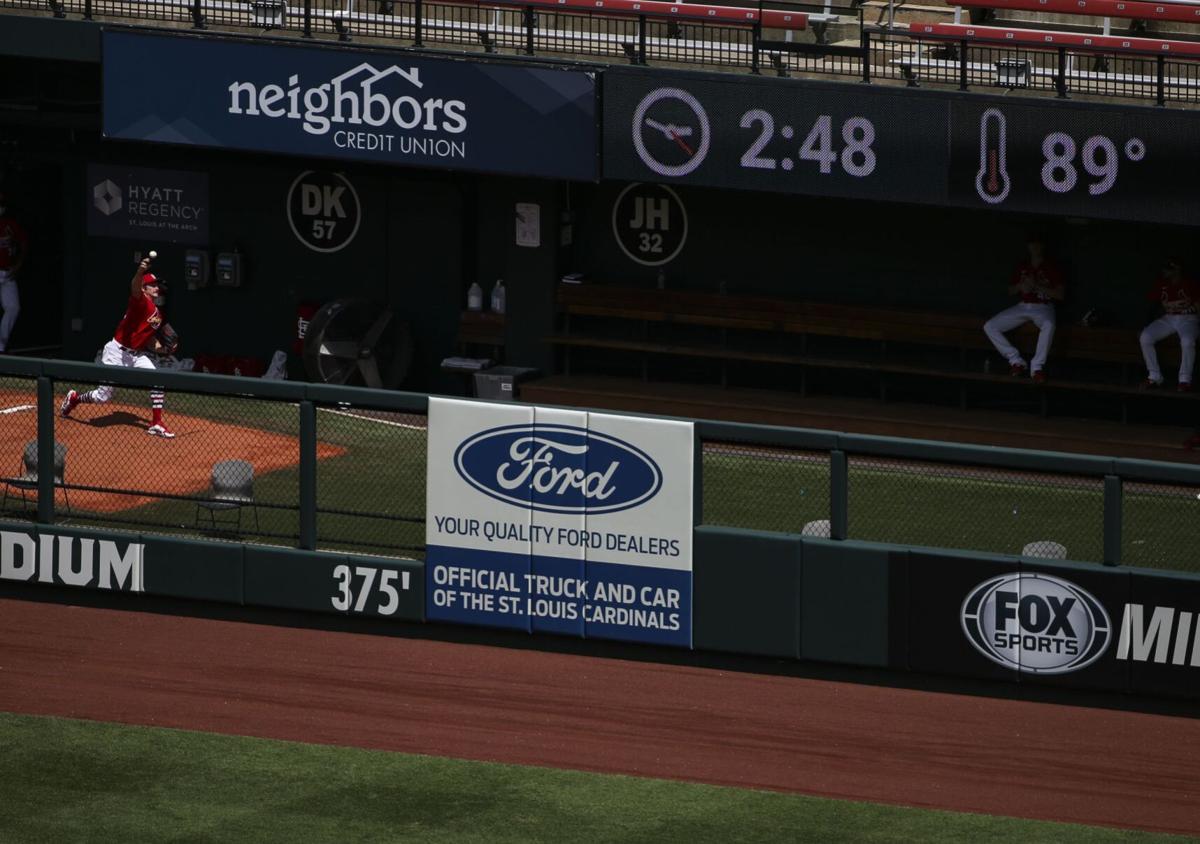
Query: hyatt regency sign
<point>389,108</point>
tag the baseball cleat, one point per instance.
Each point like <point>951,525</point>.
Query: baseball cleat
<point>1184,387</point>
<point>1151,384</point>
<point>160,431</point>
<point>1039,377</point>
<point>1016,369</point>
<point>68,403</point>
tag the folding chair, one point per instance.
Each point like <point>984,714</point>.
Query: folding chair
<point>26,483</point>
<point>232,489</point>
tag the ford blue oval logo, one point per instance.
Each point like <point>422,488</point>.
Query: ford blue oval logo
<point>1036,623</point>
<point>558,469</point>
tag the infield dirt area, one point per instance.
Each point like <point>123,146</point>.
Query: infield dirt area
<point>787,733</point>
<point>107,446</point>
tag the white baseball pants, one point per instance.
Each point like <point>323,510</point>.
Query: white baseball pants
<point>1187,326</point>
<point>10,301</point>
<point>115,354</point>
<point>1040,314</point>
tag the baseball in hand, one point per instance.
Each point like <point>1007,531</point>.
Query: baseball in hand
<point>153,254</point>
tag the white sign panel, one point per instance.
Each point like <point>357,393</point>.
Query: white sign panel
<point>560,521</point>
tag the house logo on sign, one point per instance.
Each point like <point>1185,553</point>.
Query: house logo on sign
<point>323,210</point>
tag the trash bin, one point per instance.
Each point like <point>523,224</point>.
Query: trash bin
<point>499,383</point>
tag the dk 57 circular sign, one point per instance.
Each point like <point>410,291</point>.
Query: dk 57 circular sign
<point>323,210</point>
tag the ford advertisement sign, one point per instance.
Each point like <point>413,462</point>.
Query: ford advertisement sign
<point>560,521</point>
<point>383,107</point>
<point>558,469</point>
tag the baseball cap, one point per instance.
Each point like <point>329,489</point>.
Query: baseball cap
<point>151,278</point>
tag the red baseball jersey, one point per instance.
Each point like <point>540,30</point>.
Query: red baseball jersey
<point>1177,297</point>
<point>140,322</point>
<point>13,242</point>
<point>1043,279</point>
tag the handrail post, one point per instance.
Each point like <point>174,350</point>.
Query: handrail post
<point>839,487</point>
<point>1113,507</point>
<point>308,475</point>
<point>1161,82</point>
<point>1062,72</point>
<point>197,15</point>
<point>529,30</point>
<point>308,18</point>
<point>87,10</point>
<point>641,56</point>
<point>418,23</point>
<point>755,35</point>
<point>45,450</point>
<point>962,65</point>
<point>865,38</point>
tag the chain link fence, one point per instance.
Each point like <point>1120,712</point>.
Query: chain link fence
<point>976,508</point>
<point>371,481</point>
<point>18,438</point>
<point>1160,526</point>
<point>756,487</point>
<point>221,467</point>
<point>234,470</point>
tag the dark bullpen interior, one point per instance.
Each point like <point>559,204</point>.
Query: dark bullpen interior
<point>882,254</point>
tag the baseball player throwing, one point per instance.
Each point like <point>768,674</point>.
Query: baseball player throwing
<point>14,243</point>
<point>133,343</point>
<point>1039,283</point>
<point>1178,296</point>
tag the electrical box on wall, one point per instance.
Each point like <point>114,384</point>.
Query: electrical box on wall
<point>229,269</point>
<point>195,268</point>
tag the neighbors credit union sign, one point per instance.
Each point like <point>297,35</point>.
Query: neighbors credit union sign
<point>391,108</point>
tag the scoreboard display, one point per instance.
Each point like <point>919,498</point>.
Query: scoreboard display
<point>943,148</point>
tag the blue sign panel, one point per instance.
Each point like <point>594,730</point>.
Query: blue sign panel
<point>390,108</point>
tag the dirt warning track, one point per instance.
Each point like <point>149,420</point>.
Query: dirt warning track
<point>836,739</point>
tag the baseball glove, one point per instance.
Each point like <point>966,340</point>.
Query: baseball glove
<point>166,340</point>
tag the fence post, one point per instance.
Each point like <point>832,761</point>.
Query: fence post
<point>308,18</point>
<point>45,449</point>
<point>418,23</point>
<point>197,15</point>
<point>1161,86</point>
<point>529,30</point>
<point>87,10</point>
<point>1061,82</point>
<point>839,487</point>
<point>1112,520</point>
<point>962,65</point>
<point>641,54</point>
<point>866,47</point>
<point>755,35</point>
<point>308,475</point>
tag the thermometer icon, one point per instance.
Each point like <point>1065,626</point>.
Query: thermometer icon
<point>992,182</point>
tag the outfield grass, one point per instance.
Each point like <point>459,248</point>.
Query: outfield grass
<point>383,474</point>
<point>67,780</point>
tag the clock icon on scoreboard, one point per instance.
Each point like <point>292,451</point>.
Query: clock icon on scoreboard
<point>671,132</point>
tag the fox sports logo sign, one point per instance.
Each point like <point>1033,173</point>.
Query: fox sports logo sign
<point>558,469</point>
<point>1036,623</point>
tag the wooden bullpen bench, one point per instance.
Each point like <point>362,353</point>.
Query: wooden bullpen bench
<point>758,329</point>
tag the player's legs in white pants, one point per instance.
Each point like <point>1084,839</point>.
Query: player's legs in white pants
<point>10,301</point>
<point>1043,317</point>
<point>1188,327</point>
<point>1150,335</point>
<point>1005,321</point>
